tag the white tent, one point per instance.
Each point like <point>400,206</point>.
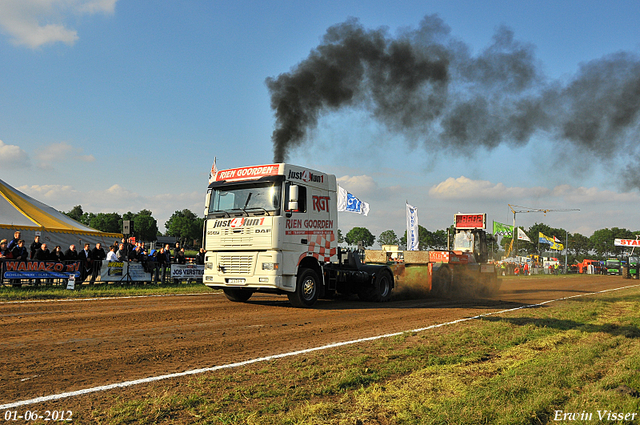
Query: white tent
<point>21,212</point>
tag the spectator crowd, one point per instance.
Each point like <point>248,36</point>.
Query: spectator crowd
<point>156,262</point>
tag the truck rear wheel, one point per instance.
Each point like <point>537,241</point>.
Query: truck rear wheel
<point>306,293</point>
<point>237,295</point>
<point>379,290</point>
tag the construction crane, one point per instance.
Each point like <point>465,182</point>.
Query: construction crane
<point>515,209</point>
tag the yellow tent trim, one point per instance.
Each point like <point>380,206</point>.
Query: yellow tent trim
<point>37,216</point>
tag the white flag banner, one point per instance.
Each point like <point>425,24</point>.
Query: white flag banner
<point>522,236</point>
<point>348,202</point>
<point>412,228</point>
<point>213,172</point>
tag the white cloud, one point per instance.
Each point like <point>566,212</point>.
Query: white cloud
<point>12,156</point>
<point>465,188</point>
<point>51,193</point>
<point>57,153</point>
<point>358,185</point>
<point>34,23</point>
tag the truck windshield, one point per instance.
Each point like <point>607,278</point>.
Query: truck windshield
<point>613,263</point>
<point>463,241</point>
<point>257,199</point>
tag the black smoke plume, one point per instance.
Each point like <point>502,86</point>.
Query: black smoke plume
<point>427,86</point>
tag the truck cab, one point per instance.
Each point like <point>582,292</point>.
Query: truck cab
<point>273,228</point>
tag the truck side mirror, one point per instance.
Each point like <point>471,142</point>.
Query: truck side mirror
<point>292,202</point>
<point>206,203</point>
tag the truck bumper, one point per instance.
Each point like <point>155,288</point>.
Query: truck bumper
<point>247,270</point>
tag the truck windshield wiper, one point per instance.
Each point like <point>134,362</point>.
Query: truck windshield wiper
<point>244,209</point>
<point>260,208</point>
<point>237,209</point>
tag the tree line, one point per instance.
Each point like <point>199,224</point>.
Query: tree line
<point>184,225</point>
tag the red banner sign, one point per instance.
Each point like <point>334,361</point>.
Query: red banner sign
<point>246,173</point>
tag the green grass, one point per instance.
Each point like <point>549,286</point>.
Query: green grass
<point>522,367</point>
<point>41,292</point>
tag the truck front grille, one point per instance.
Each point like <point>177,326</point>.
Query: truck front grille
<point>236,264</point>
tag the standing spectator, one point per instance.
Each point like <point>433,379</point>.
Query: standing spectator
<point>4,252</point>
<point>111,256</point>
<point>71,254</point>
<point>19,252</point>
<point>42,254</point>
<point>176,250</point>
<point>98,256</point>
<point>164,260</point>
<point>180,257</point>
<point>35,246</point>
<point>134,253</point>
<point>86,262</point>
<point>122,253</point>
<point>200,257</point>
<point>152,265</point>
<point>14,242</point>
<point>526,269</point>
<point>57,254</point>
<point>161,259</point>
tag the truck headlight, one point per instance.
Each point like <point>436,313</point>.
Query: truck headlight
<point>208,266</point>
<point>270,266</point>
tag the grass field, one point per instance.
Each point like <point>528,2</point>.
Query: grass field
<point>575,361</point>
<point>42,292</point>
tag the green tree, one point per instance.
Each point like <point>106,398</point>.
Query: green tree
<point>340,236</point>
<point>78,215</point>
<point>358,234</point>
<point>145,227</point>
<point>439,239</point>
<point>602,241</point>
<point>186,226</point>
<point>107,222</point>
<point>579,246</point>
<point>388,237</point>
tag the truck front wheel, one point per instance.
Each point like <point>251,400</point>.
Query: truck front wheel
<point>306,293</point>
<point>237,295</point>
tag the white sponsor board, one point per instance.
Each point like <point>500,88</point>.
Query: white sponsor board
<point>116,271</point>
<point>626,242</point>
<point>187,271</point>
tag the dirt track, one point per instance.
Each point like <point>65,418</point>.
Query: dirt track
<point>54,347</point>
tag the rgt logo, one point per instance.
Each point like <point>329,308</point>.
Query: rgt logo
<point>321,203</point>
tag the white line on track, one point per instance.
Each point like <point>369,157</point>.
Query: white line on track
<point>280,356</point>
<point>65,300</point>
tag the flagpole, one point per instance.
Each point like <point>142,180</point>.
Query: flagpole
<point>513,235</point>
<point>566,246</point>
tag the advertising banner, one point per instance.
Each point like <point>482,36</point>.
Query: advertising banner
<point>500,229</point>
<point>187,271</point>
<point>40,269</point>
<point>116,271</point>
<point>626,242</point>
<point>348,202</point>
<point>412,228</point>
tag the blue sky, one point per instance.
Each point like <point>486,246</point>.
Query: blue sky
<point>122,105</point>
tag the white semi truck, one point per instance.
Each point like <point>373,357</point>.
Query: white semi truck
<point>273,228</point>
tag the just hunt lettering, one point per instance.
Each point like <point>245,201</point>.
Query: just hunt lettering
<point>306,176</point>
